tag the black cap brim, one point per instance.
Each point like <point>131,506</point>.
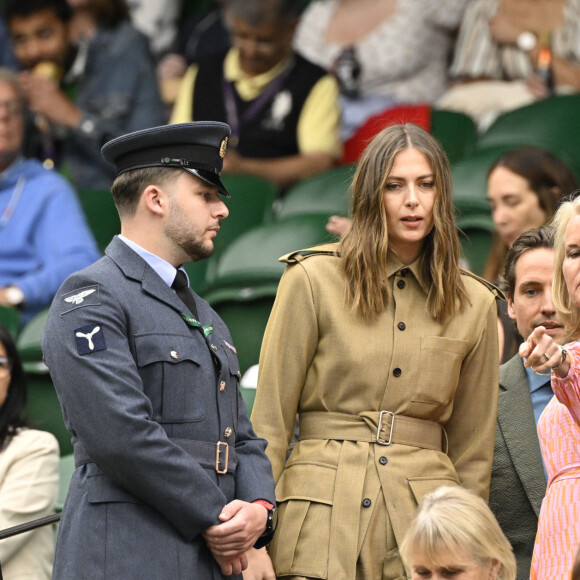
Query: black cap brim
<point>210,178</point>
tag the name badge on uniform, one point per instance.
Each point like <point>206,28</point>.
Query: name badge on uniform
<point>90,338</point>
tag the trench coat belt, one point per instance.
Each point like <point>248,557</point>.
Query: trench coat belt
<point>207,454</point>
<point>373,427</point>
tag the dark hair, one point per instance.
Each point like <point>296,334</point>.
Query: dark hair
<point>25,8</point>
<point>128,187</point>
<point>109,13</point>
<point>258,12</point>
<point>531,240</point>
<point>548,178</point>
<point>12,412</point>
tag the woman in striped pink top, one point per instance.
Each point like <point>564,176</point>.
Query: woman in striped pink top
<point>558,534</point>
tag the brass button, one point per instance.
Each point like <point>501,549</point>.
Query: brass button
<point>173,354</point>
<point>228,432</point>
<point>222,386</point>
<point>214,347</point>
<point>239,374</point>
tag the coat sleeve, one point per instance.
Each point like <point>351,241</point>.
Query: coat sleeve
<point>29,487</point>
<point>288,348</point>
<point>471,428</point>
<point>105,407</point>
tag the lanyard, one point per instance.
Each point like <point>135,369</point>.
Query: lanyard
<point>16,193</point>
<point>207,329</point>
<point>233,118</point>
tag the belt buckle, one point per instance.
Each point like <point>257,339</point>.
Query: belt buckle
<point>218,455</point>
<point>380,426</point>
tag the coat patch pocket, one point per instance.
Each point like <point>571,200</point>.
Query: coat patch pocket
<point>100,489</point>
<point>439,371</point>
<point>305,495</point>
<point>421,486</point>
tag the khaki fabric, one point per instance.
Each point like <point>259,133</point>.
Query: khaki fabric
<point>317,356</point>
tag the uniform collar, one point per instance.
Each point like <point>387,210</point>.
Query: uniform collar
<point>249,87</point>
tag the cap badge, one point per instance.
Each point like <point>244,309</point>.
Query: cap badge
<point>223,147</point>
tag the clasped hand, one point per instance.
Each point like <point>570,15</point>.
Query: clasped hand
<point>242,524</point>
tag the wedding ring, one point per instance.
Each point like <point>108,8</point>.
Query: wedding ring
<point>548,357</point>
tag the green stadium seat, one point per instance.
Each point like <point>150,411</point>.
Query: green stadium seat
<point>246,276</point>
<point>10,320</point>
<point>456,132</point>
<point>552,123</point>
<point>475,234</point>
<point>326,193</point>
<point>101,213</point>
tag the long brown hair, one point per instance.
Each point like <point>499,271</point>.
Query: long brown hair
<point>364,247</point>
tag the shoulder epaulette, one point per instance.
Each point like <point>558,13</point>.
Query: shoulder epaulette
<point>299,255</point>
<point>497,292</point>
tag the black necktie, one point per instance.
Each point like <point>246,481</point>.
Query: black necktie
<point>181,288</point>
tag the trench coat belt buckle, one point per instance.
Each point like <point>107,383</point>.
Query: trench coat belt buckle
<point>381,441</point>
<point>222,455</point>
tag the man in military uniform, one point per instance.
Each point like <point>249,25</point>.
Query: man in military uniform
<point>171,481</point>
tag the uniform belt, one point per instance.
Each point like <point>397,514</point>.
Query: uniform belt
<point>380,427</point>
<point>217,456</point>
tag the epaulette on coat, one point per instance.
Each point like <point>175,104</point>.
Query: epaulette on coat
<point>299,255</point>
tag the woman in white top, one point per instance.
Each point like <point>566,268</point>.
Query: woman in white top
<point>28,475</point>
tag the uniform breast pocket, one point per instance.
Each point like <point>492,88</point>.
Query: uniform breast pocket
<point>173,370</point>
<point>440,363</point>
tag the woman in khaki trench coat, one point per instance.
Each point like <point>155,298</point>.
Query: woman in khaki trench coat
<point>388,352</point>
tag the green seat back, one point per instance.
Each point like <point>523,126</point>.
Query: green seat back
<point>475,235</point>
<point>43,409</point>
<point>552,123</point>
<point>10,320</point>
<point>66,468</point>
<point>253,258</point>
<point>101,213</point>
<point>456,132</point>
<point>29,340</point>
<point>326,193</point>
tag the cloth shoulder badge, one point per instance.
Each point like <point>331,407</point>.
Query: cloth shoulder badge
<point>90,338</point>
<point>87,296</point>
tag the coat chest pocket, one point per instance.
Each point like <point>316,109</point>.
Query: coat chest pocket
<point>441,359</point>
<point>173,369</point>
<point>305,497</point>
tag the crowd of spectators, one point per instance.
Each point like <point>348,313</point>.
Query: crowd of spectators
<point>296,82</point>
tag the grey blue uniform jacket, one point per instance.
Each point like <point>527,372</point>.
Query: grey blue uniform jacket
<point>138,386</point>
<point>518,481</point>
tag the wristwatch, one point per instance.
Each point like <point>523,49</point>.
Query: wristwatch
<point>271,524</point>
<point>14,295</point>
<point>527,41</point>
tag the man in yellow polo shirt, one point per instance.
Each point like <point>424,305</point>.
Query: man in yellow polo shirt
<point>283,110</point>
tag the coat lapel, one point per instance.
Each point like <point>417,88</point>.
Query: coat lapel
<point>135,267</point>
<point>518,426</point>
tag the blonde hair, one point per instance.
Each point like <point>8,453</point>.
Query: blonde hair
<point>364,247</point>
<point>569,314</point>
<point>453,520</point>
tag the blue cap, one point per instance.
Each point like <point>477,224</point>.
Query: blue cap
<point>198,148</point>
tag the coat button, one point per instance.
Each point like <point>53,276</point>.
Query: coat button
<point>222,385</point>
<point>401,284</point>
<point>366,502</point>
<point>397,372</point>
<point>239,374</point>
<point>405,272</point>
<point>401,326</point>
<point>383,460</point>
<point>228,432</point>
<point>214,347</point>
<point>173,354</point>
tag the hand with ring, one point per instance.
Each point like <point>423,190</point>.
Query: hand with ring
<point>543,354</point>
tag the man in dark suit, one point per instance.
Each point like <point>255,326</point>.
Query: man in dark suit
<point>518,480</point>
<point>171,481</point>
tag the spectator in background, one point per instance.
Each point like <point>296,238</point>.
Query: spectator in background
<point>512,52</point>
<point>28,475</point>
<point>96,90</point>
<point>559,425</point>
<point>283,110</point>
<point>454,535</point>
<point>383,52</point>
<point>524,187</point>
<point>518,480</point>
<point>43,233</point>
